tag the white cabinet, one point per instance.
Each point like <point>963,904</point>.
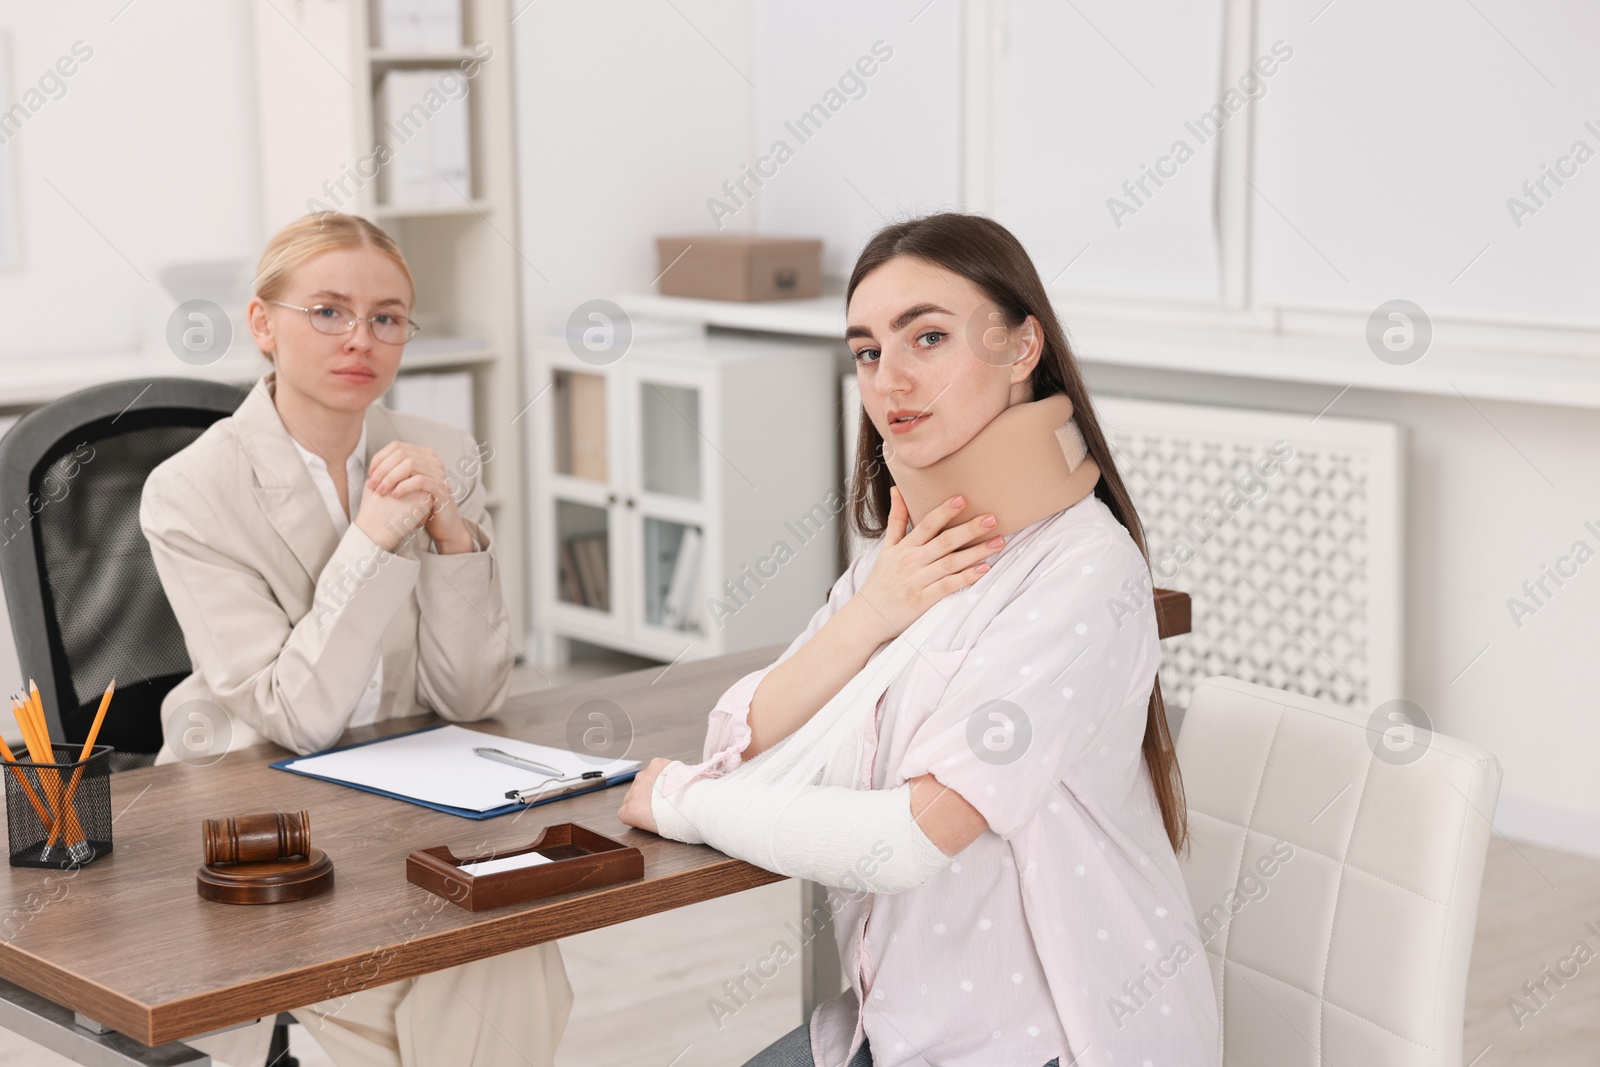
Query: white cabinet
<point>686,496</point>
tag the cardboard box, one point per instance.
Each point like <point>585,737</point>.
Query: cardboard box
<point>739,267</point>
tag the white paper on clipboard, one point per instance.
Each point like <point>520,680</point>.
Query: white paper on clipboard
<point>439,767</point>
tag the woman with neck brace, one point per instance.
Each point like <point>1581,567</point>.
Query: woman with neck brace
<point>967,744</point>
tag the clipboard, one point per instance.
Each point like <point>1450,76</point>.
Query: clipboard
<point>571,790</point>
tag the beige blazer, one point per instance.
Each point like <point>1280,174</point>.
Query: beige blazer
<point>284,619</point>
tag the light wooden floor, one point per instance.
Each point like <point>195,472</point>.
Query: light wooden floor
<point>643,987</point>
<point>1533,910</point>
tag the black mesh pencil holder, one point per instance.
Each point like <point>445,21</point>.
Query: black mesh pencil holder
<point>59,814</point>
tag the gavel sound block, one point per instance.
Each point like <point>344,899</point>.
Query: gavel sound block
<point>262,859</point>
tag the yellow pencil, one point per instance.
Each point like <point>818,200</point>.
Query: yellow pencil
<point>99,717</point>
<point>40,722</point>
<point>24,716</point>
<point>23,711</point>
<point>88,747</point>
<point>37,735</point>
<point>33,798</point>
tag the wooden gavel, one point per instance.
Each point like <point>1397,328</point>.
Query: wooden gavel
<point>271,835</point>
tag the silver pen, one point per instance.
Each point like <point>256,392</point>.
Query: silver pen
<point>559,787</point>
<point>516,761</point>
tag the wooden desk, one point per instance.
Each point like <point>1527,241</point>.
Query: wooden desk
<point>128,943</point>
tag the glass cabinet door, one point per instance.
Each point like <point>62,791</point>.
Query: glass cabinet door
<point>670,409</point>
<point>669,439</point>
<point>583,467</point>
<point>583,555</point>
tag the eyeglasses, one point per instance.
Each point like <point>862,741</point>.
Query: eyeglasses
<point>334,320</point>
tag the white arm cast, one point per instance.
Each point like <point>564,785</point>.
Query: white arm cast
<point>849,838</point>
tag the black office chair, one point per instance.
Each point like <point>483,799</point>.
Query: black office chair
<point>85,601</point>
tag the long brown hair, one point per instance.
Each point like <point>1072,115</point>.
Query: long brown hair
<point>987,255</point>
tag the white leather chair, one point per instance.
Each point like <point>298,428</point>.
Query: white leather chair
<point>1335,886</point>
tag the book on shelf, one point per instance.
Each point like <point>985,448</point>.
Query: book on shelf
<point>599,572</point>
<point>424,121</point>
<point>602,569</point>
<point>678,606</point>
<point>581,426</point>
<point>571,585</point>
<point>416,25</point>
<point>584,570</point>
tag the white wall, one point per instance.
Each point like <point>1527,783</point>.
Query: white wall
<point>630,115</point>
<point>890,147</point>
<point>1395,139</point>
<point>147,157</point>
<point>1065,162</point>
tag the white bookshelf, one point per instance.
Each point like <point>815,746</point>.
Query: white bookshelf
<point>667,474</point>
<point>318,77</point>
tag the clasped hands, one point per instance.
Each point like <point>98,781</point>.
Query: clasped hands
<point>406,490</point>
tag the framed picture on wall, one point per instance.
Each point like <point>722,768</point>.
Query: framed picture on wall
<point>10,236</point>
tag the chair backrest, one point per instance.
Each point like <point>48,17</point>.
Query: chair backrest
<point>85,601</point>
<point>1334,872</point>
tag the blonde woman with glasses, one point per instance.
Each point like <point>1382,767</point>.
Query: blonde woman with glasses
<point>332,564</point>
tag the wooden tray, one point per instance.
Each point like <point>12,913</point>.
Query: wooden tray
<point>581,859</point>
